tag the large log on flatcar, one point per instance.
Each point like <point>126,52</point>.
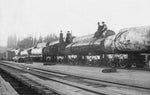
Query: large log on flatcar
<point>37,51</point>
<point>26,52</point>
<point>129,40</point>
<point>51,49</point>
<point>55,49</point>
<point>88,45</point>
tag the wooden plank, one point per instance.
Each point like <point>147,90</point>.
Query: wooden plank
<point>7,88</point>
<point>10,89</point>
<point>58,87</point>
<point>3,90</point>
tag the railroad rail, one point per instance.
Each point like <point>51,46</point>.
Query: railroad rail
<point>82,84</point>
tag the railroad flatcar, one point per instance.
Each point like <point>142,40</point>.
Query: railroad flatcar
<point>129,42</point>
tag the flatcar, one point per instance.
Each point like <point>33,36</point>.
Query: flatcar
<point>129,42</point>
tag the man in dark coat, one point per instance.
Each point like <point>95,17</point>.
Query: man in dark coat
<point>104,27</point>
<point>99,27</point>
<point>68,37</point>
<point>98,32</point>
<point>61,39</point>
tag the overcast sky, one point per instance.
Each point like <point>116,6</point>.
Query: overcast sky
<point>42,17</point>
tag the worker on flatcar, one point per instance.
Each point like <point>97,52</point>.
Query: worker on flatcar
<point>68,37</point>
<point>61,40</point>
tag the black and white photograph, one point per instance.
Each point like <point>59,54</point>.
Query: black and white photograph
<point>74,47</point>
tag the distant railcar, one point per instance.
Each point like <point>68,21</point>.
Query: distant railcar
<point>10,54</point>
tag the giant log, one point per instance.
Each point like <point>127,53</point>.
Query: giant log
<point>88,45</point>
<point>37,51</point>
<point>128,40</point>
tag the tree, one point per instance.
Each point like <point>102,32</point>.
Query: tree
<point>25,43</point>
<point>35,41</point>
<point>40,39</point>
<point>50,38</point>
<point>30,41</point>
<point>12,41</point>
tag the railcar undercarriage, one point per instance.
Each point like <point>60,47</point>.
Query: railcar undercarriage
<point>111,60</point>
<point>127,60</point>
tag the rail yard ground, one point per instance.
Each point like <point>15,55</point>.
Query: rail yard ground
<point>138,78</point>
<point>80,80</point>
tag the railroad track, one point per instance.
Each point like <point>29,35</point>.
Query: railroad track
<point>86,85</point>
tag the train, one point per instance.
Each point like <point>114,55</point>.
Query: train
<point>130,46</point>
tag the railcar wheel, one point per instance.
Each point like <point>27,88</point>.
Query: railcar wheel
<point>112,63</point>
<point>128,66</point>
<point>71,61</point>
<point>20,60</point>
<point>124,63</point>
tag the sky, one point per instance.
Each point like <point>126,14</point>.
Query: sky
<point>41,17</point>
